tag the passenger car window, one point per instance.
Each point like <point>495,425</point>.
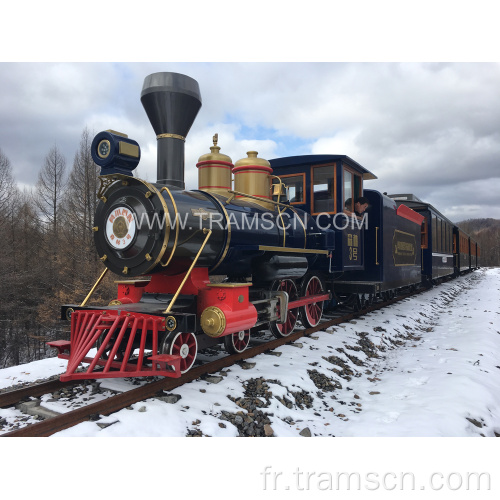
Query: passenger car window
<point>434,234</point>
<point>424,234</point>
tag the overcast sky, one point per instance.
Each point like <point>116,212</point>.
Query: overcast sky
<point>428,128</point>
<point>431,129</point>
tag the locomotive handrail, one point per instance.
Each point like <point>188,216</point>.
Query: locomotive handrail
<point>176,227</point>
<point>255,198</point>
<point>172,302</point>
<point>94,287</point>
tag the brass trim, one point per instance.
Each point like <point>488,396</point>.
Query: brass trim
<point>105,183</point>
<point>104,258</point>
<point>101,277</point>
<point>228,285</point>
<point>170,327</point>
<point>410,234</point>
<point>95,229</point>
<point>167,228</point>
<point>213,321</point>
<point>263,200</point>
<point>130,282</point>
<point>230,198</point>
<point>153,190</point>
<point>292,250</point>
<point>69,312</point>
<point>128,149</point>
<point>176,226</point>
<point>125,270</point>
<point>171,136</point>
<point>117,133</point>
<point>195,260</point>
<point>448,255</point>
<point>115,302</point>
<point>228,224</point>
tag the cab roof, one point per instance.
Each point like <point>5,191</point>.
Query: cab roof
<point>291,161</point>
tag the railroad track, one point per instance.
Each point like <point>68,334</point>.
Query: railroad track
<point>115,403</point>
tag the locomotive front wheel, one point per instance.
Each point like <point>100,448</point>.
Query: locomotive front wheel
<point>237,342</point>
<point>280,330</point>
<point>183,344</point>
<point>311,314</point>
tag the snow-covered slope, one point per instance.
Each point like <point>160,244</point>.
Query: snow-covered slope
<point>427,366</point>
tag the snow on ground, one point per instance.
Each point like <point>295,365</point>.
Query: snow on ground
<point>427,366</point>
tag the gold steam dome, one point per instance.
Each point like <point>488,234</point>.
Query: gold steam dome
<point>214,171</point>
<point>252,176</point>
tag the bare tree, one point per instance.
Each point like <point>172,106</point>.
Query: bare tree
<point>6,185</point>
<point>49,190</point>
<point>82,262</point>
<point>81,196</point>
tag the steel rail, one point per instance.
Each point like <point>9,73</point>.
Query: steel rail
<point>115,403</point>
<point>9,398</point>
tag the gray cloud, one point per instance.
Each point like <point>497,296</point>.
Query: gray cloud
<point>432,129</point>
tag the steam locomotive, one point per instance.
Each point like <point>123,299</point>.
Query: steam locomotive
<point>201,267</point>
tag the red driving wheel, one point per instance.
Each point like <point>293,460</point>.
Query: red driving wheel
<point>311,313</point>
<point>280,330</point>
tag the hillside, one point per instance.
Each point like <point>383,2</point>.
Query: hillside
<point>487,233</point>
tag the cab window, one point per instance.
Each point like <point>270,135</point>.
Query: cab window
<point>295,184</point>
<point>352,189</point>
<point>323,189</point>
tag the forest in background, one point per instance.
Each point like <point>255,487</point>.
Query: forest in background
<point>48,256</point>
<point>487,233</point>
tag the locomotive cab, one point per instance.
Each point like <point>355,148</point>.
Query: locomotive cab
<point>327,186</point>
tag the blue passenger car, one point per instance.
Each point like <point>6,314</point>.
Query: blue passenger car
<point>392,249</point>
<point>437,239</point>
<point>461,251</point>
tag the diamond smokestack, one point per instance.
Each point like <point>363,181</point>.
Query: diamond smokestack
<point>171,101</point>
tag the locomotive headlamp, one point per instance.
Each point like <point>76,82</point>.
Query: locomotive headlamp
<point>103,148</point>
<point>115,153</point>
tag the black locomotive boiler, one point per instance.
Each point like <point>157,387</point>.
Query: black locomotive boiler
<point>260,244</point>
